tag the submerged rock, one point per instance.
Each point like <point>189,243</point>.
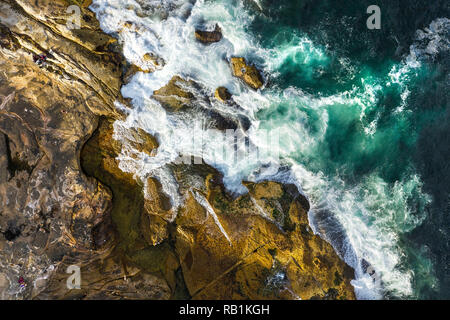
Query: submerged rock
<point>248,73</point>
<point>209,36</point>
<point>174,96</point>
<point>151,62</point>
<point>154,229</point>
<point>222,94</point>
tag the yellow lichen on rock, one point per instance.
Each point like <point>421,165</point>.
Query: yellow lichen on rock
<point>174,96</point>
<point>248,73</point>
<point>222,94</point>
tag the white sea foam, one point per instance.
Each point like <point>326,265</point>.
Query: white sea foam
<point>429,42</point>
<point>205,204</point>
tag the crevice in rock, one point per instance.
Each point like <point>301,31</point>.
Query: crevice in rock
<point>14,162</point>
<point>13,232</point>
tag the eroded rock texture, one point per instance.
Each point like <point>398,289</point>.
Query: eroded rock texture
<point>50,212</point>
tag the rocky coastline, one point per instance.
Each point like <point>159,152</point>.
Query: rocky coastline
<point>65,201</point>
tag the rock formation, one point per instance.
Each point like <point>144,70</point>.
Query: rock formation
<point>222,94</point>
<point>248,73</point>
<point>258,246</point>
<point>175,95</point>
<point>209,36</point>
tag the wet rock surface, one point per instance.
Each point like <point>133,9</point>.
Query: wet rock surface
<point>50,211</point>
<point>188,97</point>
<point>176,94</point>
<point>207,37</point>
<point>246,72</point>
<point>222,94</point>
<point>256,246</point>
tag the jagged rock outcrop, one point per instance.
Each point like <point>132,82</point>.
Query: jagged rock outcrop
<point>175,95</point>
<point>209,36</point>
<point>187,96</point>
<point>140,227</point>
<point>248,73</point>
<point>222,94</point>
